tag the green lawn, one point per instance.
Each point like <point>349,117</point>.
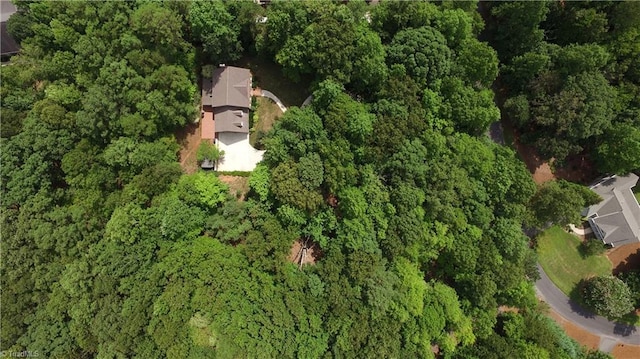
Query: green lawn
<point>268,113</point>
<point>560,258</point>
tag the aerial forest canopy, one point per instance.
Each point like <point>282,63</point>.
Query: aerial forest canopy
<point>110,250</point>
<point>572,77</point>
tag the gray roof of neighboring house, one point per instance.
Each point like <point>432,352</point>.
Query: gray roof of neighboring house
<point>229,86</point>
<point>617,216</point>
<point>231,119</point>
<point>6,10</point>
<point>8,45</point>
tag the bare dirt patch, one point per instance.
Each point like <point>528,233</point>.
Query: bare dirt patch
<point>625,257</point>
<point>582,336</point>
<point>238,185</point>
<point>507,309</point>
<point>313,253</point>
<point>623,351</point>
<point>189,139</point>
<point>576,168</point>
<point>540,169</point>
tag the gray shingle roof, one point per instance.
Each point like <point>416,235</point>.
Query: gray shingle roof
<point>229,86</point>
<point>231,119</point>
<point>616,219</point>
<point>8,46</point>
<point>228,91</point>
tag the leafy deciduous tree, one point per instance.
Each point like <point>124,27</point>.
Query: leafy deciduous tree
<point>608,296</point>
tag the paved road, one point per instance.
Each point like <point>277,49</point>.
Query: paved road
<point>495,133</point>
<point>596,324</point>
<point>610,333</point>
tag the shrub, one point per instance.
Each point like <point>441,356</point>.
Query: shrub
<point>632,279</point>
<point>592,247</point>
<point>208,150</point>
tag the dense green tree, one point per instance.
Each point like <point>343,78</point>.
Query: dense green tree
<point>298,133</point>
<point>619,151</point>
<point>259,181</point>
<point>624,23</point>
<point>288,188</point>
<point>285,20</point>
<point>524,68</point>
<point>571,82</point>
<point>151,182</point>
<point>424,54</point>
<point>517,27</point>
<point>455,25</point>
<point>477,63</point>
<point>582,110</point>
<point>632,279</point>
<point>159,28</point>
<point>470,110</point>
<point>245,14</point>
<point>391,17</point>
<point>529,335</point>
<point>201,189</point>
<point>575,59</point>
<point>213,26</point>
<point>560,202</point>
<point>575,23</point>
<point>608,296</point>
<point>18,95</point>
<point>231,224</point>
<point>518,110</point>
<point>343,117</point>
<point>335,44</point>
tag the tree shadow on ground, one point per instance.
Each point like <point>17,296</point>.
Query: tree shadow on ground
<point>576,304</point>
<point>631,262</point>
<point>591,247</point>
<point>579,307</point>
<point>577,168</point>
<point>269,76</point>
<point>624,329</point>
<point>182,135</point>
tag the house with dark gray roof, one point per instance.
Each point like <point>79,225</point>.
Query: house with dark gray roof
<point>228,95</point>
<point>616,219</point>
<point>226,101</point>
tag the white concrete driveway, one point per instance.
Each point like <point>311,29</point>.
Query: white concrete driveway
<point>239,155</point>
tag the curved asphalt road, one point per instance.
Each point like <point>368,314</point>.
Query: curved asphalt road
<point>626,334</point>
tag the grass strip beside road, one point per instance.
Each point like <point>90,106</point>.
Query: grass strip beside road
<point>559,256</point>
